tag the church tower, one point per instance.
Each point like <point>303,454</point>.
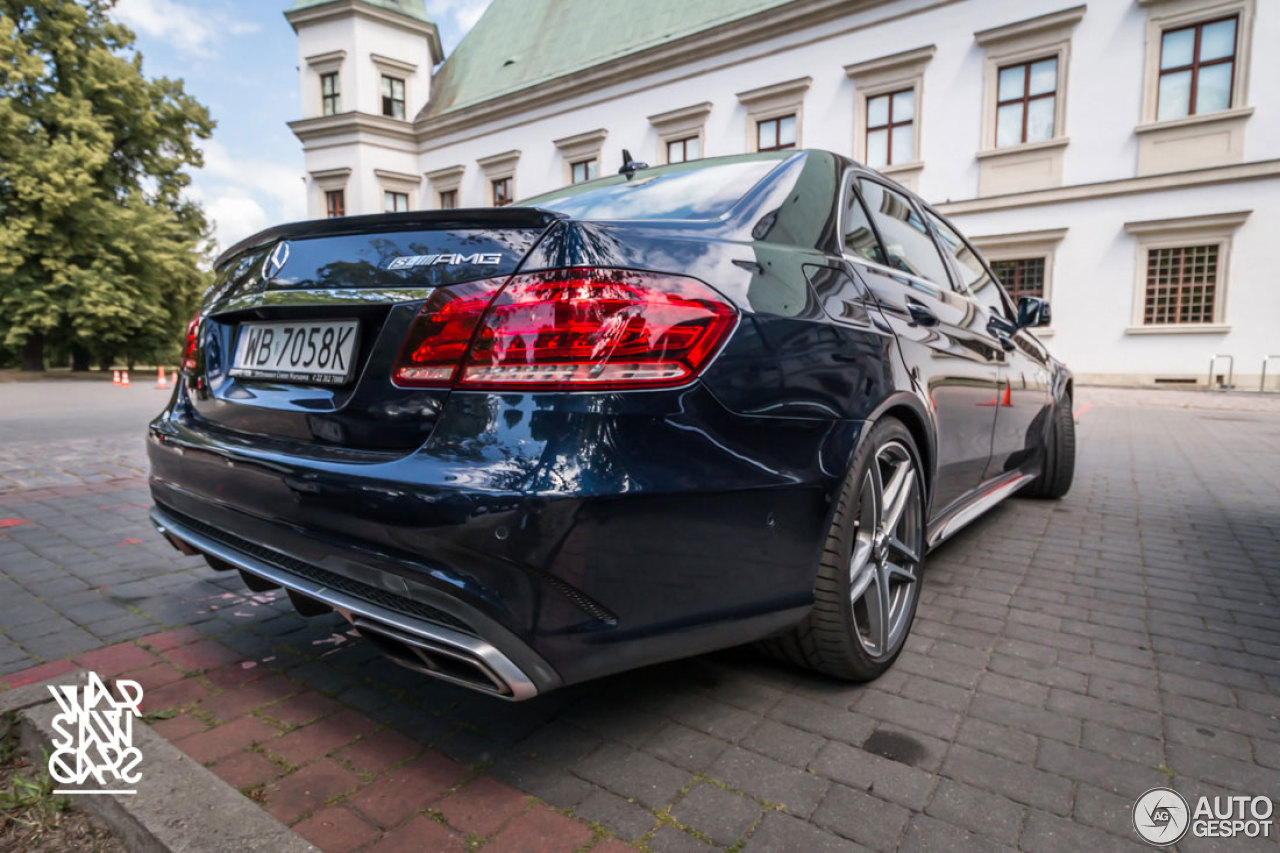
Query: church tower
<point>365,69</point>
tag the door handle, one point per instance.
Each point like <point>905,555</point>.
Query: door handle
<point>920,314</point>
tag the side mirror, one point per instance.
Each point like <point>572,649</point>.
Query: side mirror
<point>1033,311</point>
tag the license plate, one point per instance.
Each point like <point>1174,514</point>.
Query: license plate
<point>319,352</point>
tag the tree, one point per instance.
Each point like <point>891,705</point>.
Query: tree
<point>100,252</point>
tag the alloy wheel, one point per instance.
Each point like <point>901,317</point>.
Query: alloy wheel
<point>885,564</point>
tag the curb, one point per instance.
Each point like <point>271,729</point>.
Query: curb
<point>180,805</point>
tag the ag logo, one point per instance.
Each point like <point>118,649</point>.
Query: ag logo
<point>1161,816</point>
<point>275,260</point>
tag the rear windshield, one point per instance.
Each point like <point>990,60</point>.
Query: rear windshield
<point>695,190</point>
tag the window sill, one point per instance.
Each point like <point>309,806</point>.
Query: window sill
<point>1191,121</point>
<point>1180,329</point>
<point>901,168</point>
<point>1046,144</point>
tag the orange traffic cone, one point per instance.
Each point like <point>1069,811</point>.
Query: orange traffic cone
<point>115,377</point>
<point>1008,397</point>
<point>162,383</point>
<point>124,378</point>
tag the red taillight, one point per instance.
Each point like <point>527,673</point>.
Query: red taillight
<point>574,329</point>
<point>191,347</point>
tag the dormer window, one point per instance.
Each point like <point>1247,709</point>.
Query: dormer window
<point>392,97</point>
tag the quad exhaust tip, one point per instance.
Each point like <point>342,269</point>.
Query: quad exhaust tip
<point>434,650</point>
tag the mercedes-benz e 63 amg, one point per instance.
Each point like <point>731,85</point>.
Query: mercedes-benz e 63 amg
<point>636,419</point>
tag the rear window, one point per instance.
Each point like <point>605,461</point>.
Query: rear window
<point>696,190</point>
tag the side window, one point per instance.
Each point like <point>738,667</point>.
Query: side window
<point>906,237</point>
<point>859,237</point>
<point>975,280</point>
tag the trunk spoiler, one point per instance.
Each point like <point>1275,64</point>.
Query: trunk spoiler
<point>476,217</point>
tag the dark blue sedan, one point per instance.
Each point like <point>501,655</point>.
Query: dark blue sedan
<point>683,408</point>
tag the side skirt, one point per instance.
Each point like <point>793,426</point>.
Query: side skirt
<point>942,529</point>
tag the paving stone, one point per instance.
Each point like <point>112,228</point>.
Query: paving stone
<point>783,832</point>
<point>986,814</point>
<point>862,817</point>
<point>540,828</point>
<point>721,815</point>
<point>624,818</point>
<point>338,830</point>
<point>866,771</point>
<point>420,833</point>
<point>684,747</point>
<point>784,743</point>
<point>930,835</point>
<point>483,807</point>
<point>633,774</point>
<point>308,789</point>
<point>669,839</point>
<point>796,790</point>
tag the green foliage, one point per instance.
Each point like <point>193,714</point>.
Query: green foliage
<point>99,248</point>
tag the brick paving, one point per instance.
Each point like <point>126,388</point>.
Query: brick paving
<point>1067,656</point>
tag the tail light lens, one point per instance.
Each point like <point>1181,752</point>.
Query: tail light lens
<point>576,329</point>
<point>191,346</point>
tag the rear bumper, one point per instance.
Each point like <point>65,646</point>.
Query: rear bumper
<point>441,650</point>
<point>540,544</point>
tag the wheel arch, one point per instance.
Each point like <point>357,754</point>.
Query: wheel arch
<point>908,410</point>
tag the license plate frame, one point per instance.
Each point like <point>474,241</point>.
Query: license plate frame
<point>282,365</point>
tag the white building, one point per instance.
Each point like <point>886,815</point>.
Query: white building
<point>1120,157</point>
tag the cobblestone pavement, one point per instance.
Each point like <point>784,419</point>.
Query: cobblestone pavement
<point>1067,656</point>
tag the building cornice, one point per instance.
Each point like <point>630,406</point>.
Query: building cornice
<point>1039,24</point>
<point>1260,170</point>
<point>323,174</point>
<point>1019,239</point>
<point>447,173</point>
<point>309,129</point>
<point>787,89</point>
<point>347,8</point>
<point>582,140</point>
<point>730,36</point>
<point>893,62</point>
<point>683,114</point>
<point>403,177</point>
<point>397,64</point>
<point>1209,222</point>
<point>495,161</point>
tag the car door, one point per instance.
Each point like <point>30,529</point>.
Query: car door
<point>947,349</point>
<point>1023,401</point>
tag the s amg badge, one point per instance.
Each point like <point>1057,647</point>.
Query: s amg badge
<point>275,261</point>
<point>405,262</point>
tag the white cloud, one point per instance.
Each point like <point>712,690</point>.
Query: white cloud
<point>246,194</point>
<point>186,27</point>
<point>455,18</point>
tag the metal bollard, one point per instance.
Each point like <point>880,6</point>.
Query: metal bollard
<point>1262,386</point>
<point>1231,369</point>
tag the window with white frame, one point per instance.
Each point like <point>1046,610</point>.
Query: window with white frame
<point>394,202</point>
<point>446,184</point>
<point>327,68</point>
<point>1024,102</point>
<point>887,111</point>
<point>681,132</point>
<point>500,177</point>
<point>1196,86</point>
<point>1181,272</point>
<point>775,115</point>
<point>581,155</point>
<point>1023,262</point>
<point>330,94</point>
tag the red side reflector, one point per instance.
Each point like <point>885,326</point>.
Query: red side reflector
<point>191,346</point>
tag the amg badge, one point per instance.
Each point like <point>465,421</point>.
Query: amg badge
<point>478,260</point>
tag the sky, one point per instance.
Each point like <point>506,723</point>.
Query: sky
<point>239,58</point>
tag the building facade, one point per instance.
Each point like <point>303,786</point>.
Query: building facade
<point>1121,158</point>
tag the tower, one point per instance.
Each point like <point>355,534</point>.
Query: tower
<point>365,71</point>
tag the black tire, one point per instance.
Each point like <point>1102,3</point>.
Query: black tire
<point>833,638</point>
<point>1059,456</point>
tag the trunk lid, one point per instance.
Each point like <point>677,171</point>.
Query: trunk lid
<point>359,281</point>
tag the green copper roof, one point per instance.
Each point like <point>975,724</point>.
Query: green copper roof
<point>416,9</point>
<point>518,43</point>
